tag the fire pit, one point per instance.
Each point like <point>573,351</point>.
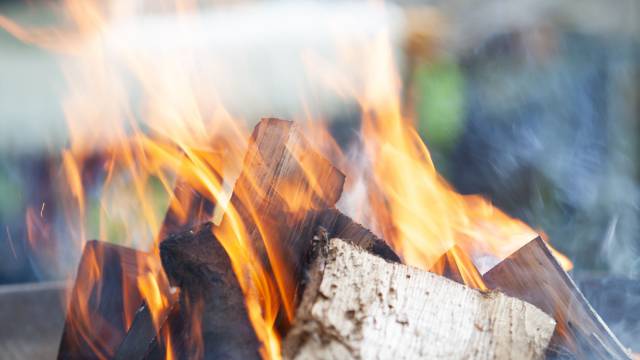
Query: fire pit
<point>273,243</point>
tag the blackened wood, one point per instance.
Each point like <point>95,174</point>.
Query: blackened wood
<point>197,263</point>
<point>283,185</point>
<point>283,180</point>
<point>141,335</point>
<point>341,226</point>
<point>532,274</point>
<point>105,274</point>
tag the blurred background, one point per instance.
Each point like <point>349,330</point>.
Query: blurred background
<point>534,104</point>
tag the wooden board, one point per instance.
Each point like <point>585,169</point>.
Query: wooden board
<point>532,274</point>
<point>358,306</point>
<point>98,313</point>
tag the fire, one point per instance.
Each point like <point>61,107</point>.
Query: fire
<point>183,131</point>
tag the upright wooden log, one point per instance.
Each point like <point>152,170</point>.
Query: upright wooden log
<point>191,205</point>
<point>358,306</point>
<point>341,226</point>
<point>103,301</point>
<point>277,199</point>
<point>283,181</point>
<point>533,275</point>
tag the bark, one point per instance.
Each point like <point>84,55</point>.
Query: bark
<point>359,306</point>
<point>533,275</point>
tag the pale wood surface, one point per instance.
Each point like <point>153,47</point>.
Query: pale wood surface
<point>359,306</point>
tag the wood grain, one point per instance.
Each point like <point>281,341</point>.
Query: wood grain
<point>359,306</point>
<point>533,275</point>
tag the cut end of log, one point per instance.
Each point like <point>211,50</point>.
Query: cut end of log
<point>357,305</point>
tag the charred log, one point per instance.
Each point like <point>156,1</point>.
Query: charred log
<point>105,294</point>
<point>283,179</point>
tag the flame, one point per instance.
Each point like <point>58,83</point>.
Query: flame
<point>182,131</point>
<point>407,201</point>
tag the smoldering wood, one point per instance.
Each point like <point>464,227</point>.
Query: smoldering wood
<point>197,263</point>
<point>280,169</point>
<point>105,274</point>
<point>359,306</point>
<point>533,275</point>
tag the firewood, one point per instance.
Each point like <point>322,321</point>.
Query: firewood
<point>141,334</point>
<point>283,180</point>
<point>533,275</point>
<point>104,296</point>
<point>197,263</point>
<point>358,306</point>
<point>281,190</point>
<point>191,204</point>
<point>341,226</point>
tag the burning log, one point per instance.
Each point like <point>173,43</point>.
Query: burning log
<point>282,181</point>
<point>189,206</point>
<point>341,226</point>
<point>533,275</point>
<point>197,263</point>
<point>103,300</point>
<point>360,306</point>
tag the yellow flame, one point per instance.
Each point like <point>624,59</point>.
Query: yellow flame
<point>182,130</point>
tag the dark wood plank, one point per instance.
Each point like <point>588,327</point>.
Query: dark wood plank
<point>341,226</point>
<point>532,274</point>
<point>99,313</point>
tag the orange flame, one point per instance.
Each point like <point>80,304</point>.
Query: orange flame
<point>182,130</point>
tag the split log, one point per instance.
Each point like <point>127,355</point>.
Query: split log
<point>358,306</point>
<point>103,301</point>
<point>341,226</point>
<point>533,275</point>
<point>283,180</point>
<point>278,197</point>
<point>142,333</point>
